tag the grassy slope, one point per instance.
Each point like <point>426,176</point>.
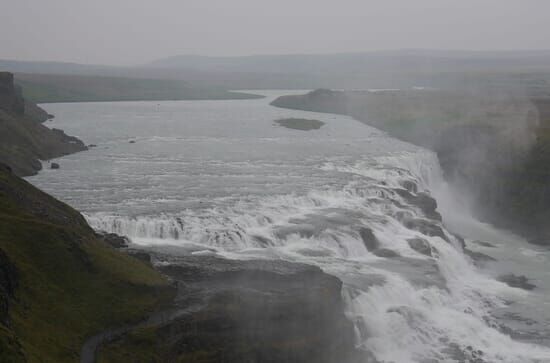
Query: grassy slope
<point>69,88</point>
<point>70,284</point>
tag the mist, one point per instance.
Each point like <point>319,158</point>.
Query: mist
<point>288,181</point>
<point>134,32</point>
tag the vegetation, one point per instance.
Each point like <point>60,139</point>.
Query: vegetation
<point>23,139</point>
<point>72,88</point>
<point>70,285</point>
<point>300,124</point>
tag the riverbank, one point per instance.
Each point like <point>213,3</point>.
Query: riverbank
<point>24,140</point>
<point>491,144</point>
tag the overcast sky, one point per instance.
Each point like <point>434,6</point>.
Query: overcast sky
<point>137,31</point>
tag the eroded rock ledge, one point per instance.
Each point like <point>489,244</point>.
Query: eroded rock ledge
<point>243,311</point>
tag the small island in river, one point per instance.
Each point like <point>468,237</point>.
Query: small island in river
<point>300,124</point>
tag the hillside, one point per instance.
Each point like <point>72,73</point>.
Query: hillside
<point>377,69</point>
<point>59,283</point>
<point>44,88</point>
<point>24,140</point>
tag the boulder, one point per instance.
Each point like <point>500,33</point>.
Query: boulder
<point>54,165</point>
<point>426,227</point>
<point>369,239</point>
<point>422,201</point>
<point>386,253</point>
<point>421,246</point>
<point>520,282</point>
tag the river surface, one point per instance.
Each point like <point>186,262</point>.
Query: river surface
<point>221,177</point>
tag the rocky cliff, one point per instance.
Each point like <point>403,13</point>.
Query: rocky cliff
<point>23,139</point>
<point>243,311</point>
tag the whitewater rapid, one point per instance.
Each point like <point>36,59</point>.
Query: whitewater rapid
<point>320,198</point>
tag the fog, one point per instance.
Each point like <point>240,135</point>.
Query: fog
<point>137,31</point>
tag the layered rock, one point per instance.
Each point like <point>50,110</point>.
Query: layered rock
<point>23,139</point>
<point>244,311</point>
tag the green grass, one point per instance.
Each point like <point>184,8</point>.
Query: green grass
<point>71,285</point>
<point>69,88</point>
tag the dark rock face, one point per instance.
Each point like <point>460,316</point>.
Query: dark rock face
<point>8,284</point>
<point>251,311</point>
<point>423,201</point>
<point>521,282</point>
<point>386,253</point>
<point>426,227</point>
<point>478,258</point>
<point>369,239</point>
<point>24,140</point>
<point>10,97</point>
<point>421,246</point>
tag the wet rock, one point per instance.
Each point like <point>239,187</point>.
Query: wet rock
<point>263,241</point>
<point>386,253</point>
<point>410,186</point>
<point>426,227</point>
<point>113,239</point>
<point>421,246</point>
<point>520,282</point>
<point>369,239</point>
<point>423,201</point>
<point>250,311</point>
<point>484,244</point>
<point>479,258</point>
<point>54,166</point>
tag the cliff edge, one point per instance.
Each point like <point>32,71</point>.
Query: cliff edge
<point>24,140</point>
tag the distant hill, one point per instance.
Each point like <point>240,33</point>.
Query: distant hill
<point>43,88</point>
<point>382,69</point>
<point>404,60</point>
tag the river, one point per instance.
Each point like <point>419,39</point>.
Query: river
<point>221,177</point>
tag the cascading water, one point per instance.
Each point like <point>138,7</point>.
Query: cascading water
<point>347,198</point>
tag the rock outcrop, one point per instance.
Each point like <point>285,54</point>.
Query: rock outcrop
<point>23,139</point>
<point>11,99</point>
<point>244,311</point>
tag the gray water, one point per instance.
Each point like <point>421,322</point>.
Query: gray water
<point>221,177</point>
